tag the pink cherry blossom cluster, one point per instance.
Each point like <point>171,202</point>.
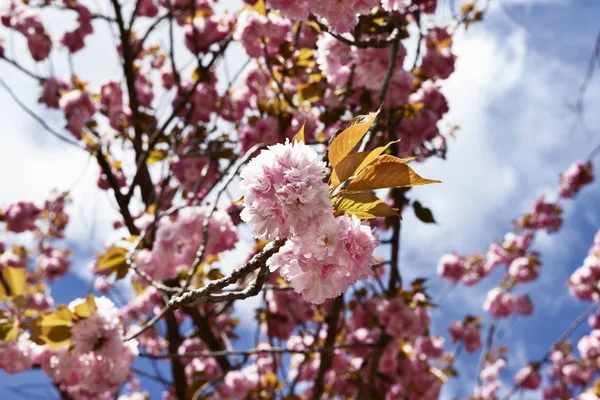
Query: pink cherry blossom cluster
<point>205,31</point>
<point>98,361</point>
<point>201,104</point>
<point>545,215</point>
<point>27,22</point>
<point>567,374</point>
<point>207,366</point>
<point>438,62</point>
<point>284,193</point>
<point>78,108</point>
<point>489,376</point>
<point>75,40</point>
<point>502,304</point>
<point>111,104</point>
<point>285,310</point>
<point>194,172</point>
<point>341,16</point>
<point>467,332</point>
<point>335,59</point>
<point>577,176</point>
<point>19,354</point>
<point>51,92</point>
<point>584,282</point>
<point>285,197</point>
<point>528,377</point>
<point>52,262</point>
<point>420,126</point>
<point>21,216</point>
<point>177,242</point>
<point>323,261</point>
<point>261,34</point>
<point>424,6</point>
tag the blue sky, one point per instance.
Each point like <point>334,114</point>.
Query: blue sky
<point>516,80</point>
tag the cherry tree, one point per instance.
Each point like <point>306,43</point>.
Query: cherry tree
<point>302,155</point>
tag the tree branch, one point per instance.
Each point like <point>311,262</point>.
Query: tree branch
<point>326,358</point>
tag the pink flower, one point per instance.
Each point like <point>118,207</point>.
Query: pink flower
<point>528,377</point>
<point>438,62</point>
<point>283,190</point>
<point>578,175</point>
<point>498,303</point>
<point>51,90</point>
<point>98,361</point>
<point>292,9</point>
<point>177,242</point>
<point>78,108</point>
<point>524,269</point>
<point>451,267</point>
<point>54,263</point>
<point>261,33</point>
<point>468,331</point>
<point>321,262</point>
<point>523,305</point>
<point>397,318</point>
<point>21,216</point>
<point>431,346</point>
<point>204,31</point>
<point>17,355</point>
<point>147,8</point>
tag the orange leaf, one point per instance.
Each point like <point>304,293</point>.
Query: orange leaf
<point>299,136</point>
<point>343,144</point>
<point>387,172</point>
<point>364,205</point>
<point>356,162</point>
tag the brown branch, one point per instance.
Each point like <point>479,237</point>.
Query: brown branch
<point>177,368</point>
<point>146,185</point>
<point>181,102</point>
<point>39,119</point>
<point>327,358</point>
<point>230,172</point>
<point>191,296</point>
<point>256,351</point>
<point>561,340</point>
<point>374,43</point>
<point>206,335</point>
<point>114,184</point>
<point>384,88</point>
<point>196,295</point>
<point>22,69</point>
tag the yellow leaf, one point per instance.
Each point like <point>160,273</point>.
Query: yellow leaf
<point>9,331</point>
<point>387,172</point>
<point>364,205</point>
<point>313,25</point>
<point>260,244</point>
<point>260,7</point>
<point>53,329</point>
<point>214,274</point>
<point>241,199</point>
<point>139,289</point>
<point>62,314</point>
<point>114,260</point>
<point>14,282</point>
<point>299,136</point>
<point>155,156</point>
<point>343,144</point>
<point>310,92</point>
<point>87,308</point>
<point>356,162</point>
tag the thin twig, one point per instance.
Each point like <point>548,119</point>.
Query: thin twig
<point>39,119</point>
